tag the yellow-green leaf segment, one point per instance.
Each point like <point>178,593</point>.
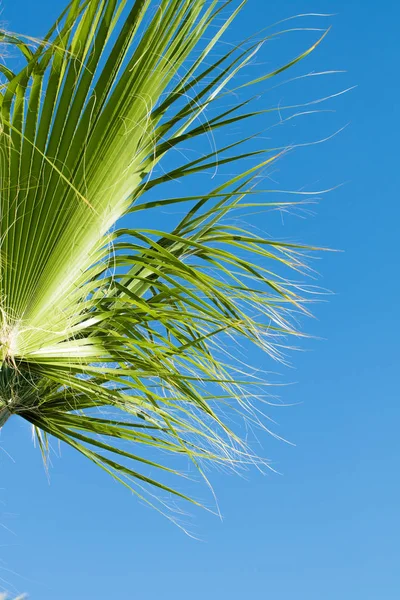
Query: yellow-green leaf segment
<point>96,317</point>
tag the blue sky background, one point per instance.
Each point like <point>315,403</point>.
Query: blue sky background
<point>327,527</point>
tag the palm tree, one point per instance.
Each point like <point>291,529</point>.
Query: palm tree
<point>114,334</point>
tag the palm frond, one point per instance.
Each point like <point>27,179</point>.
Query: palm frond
<point>110,336</point>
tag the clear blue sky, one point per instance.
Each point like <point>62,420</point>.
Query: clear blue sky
<point>327,527</point>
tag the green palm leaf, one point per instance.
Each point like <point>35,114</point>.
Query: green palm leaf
<point>109,335</point>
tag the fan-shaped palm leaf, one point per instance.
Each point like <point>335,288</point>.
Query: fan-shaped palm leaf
<point>93,317</point>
